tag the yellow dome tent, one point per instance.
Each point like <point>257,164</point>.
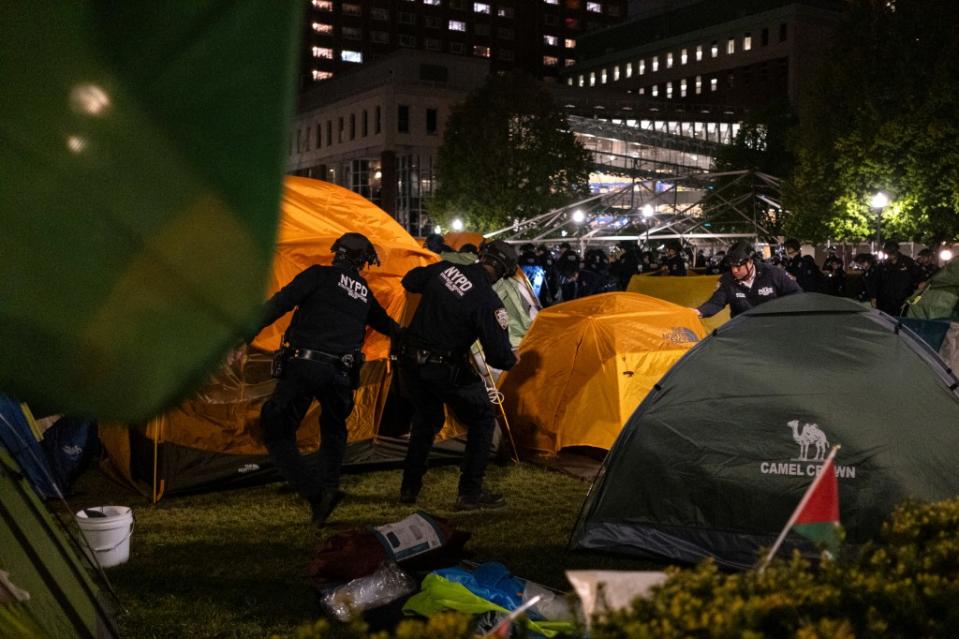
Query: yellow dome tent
<point>212,439</point>
<point>587,364</point>
<point>691,290</point>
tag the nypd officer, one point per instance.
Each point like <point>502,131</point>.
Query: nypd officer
<point>321,359</point>
<point>748,283</point>
<point>458,307</point>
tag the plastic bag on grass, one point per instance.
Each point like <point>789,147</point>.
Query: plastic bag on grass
<point>387,584</point>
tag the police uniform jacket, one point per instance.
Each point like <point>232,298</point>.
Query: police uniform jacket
<point>458,307</point>
<point>333,306</point>
<point>769,283</point>
<point>896,282</point>
<point>807,274</point>
<point>676,265</point>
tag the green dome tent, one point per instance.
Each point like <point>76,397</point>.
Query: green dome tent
<point>716,458</point>
<point>940,299</point>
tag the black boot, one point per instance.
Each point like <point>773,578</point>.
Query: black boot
<point>324,505</point>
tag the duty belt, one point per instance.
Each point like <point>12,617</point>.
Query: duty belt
<point>425,356</point>
<point>347,359</point>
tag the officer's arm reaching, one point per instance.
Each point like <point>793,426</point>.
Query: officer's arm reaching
<point>416,279</point>
<point>714,304</point>
<point>287,298</point>
<point>380,320</point>
<point>494,337</point>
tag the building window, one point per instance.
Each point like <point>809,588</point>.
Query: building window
<point>550,61</point>
<point>551,1</point>
<point>592,78</point>
<point>655,90</point>
<point>481,7</point>
<point>329,132</point>
<point>351,56</point>
<point>683,57</point>
<point>504,12</point>
<point>551,40</point>
<point>602,76</point>
<point>612,10</point>
<point>406,18</point>
<point>730,80</point>
<point>699,52</point>
<point>319,137</point>
<point>764,37</point>
<point>378,13</point>
<point>431,121</point>
<point>339,129</point>
<point>714,50</point>
<point>378,121</point>
<point>433,22</point>
<point>782,32</point>
<point>654,64</point>
<point>569,62</point>
<point>641,69</point>
<point>480,51</point>
<point>747,42</point>
<point>682,88</point>
<point>322,27</point>
<point>457,25</point>
<point>616,73</point>
<point>403,118</point>
<point>629,69</point>
<point>323,5</point>
<point>321,75</point>
<point>569,81</point>
<point>458,5</point>
<point>569,43</point>
<point>405,40</point>
<point>481,29</point>
<point>699,84</point>
<point>713,84</point>
<point>366,123</point>
<point>352,126</point>
<point>381,37</point>
<point>506,55</point>
<point>642,90</point>
<point>351,9</point>
<point>351,33</point>
<point>669,90</point>
<point>550,20</point>
<point>730,46</point>
<point>571,23</point>
<point>432,44</point>
<point>456,47</point>
<point>505,33</point>
<point>323,52</point>
<point>594,7</point>
<point>434,3</point>
<point>582,80</point>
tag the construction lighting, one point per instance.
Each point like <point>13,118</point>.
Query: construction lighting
<point>945,255</point>
<point>457,224</point>
<point>879,201</point>
<point>647,211</point>
<point>438,229</point>
<point>578,216</point>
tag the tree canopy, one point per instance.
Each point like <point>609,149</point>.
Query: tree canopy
<point>507,153</point>
<point>882,118</point>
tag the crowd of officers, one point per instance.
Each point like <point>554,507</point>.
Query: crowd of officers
<point>321,353</point>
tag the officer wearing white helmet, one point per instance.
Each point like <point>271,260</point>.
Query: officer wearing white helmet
<point>748,283</point>
<point>321,358</point>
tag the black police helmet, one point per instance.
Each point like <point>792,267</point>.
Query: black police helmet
<point>791,244</point>
<point>356,249</point>
<point>740,253</point>
<point>500,255</point>
<point>890,247</point>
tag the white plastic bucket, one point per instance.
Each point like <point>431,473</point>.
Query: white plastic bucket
<point>108,537</point>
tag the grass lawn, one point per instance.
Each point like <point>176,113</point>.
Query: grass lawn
<point>233,564</point>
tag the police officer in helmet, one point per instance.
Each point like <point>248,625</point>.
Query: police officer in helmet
<point>321,358</point>
<point>458,306</point>
<point>748,283</point>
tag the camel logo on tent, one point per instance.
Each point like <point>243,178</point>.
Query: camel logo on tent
<point>680,335</point>
<point>813,449</point>
<point>248,468</point>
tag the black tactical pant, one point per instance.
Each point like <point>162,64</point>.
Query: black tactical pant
<point>280,418</point>
<point>429,387</point>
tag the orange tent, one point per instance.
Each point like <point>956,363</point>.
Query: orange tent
<point>585,366</point>
<point>457,239</point>
<point>213,438</point>
<point>691,290</point>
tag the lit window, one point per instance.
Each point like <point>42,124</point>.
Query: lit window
<point>592,78</point>
<point>457,25</point>
<point>642,90</point>
<point>747,42</point>
<point>616,73</point>
<point>699,84</point>
<point>699,52</point>
<point>683,57</point>
<point>323,5</point>
<point>323,52</point>
<point>594,7</point>
<point>480,51</point>
<point>582,80</point>
<point>629,69</point>
<point>655,90</point>
<point>669,90</point>
<point>602,76</point>
<point>654,65</point>
<point>713,84</point>
<point>504,12</point>
<point>322,27</point>
<point>569,81</point>
<point>641,70</point>
<point>551,40</point>
<point>481,7</point>
<point>714,50</point>
<point>550,61</point>
<point>669,60</point>
<point>434,3</point>
<point>551,1</point>
<point>730,46</point>
<point>322,75</point>
<point>351,56</point>
<point>569,43</point>
<point>682,88</point>
<point>569,62</point>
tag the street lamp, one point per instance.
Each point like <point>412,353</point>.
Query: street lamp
<point>879,201</point>
<point>457,224</point>
<point>945,255</point>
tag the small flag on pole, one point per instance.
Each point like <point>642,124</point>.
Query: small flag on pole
<point>817,515</point>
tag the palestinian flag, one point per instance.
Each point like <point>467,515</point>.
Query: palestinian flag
<point>817,517</point>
